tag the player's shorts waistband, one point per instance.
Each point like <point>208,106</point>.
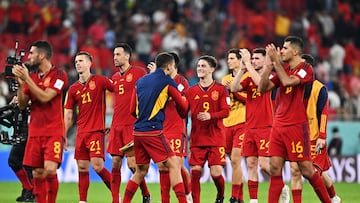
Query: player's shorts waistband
<point>148,133</point>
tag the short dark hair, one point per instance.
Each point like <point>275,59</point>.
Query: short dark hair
<point>297,41</point>
<point>210,59</point>
<point>125,46</point>
<point>163,59</point>
<point>236,52</point>
<point>309,59</point>
<point>45,47</point>
<point>176,58</point>
<point>85,54</point>
<point>261,51</point>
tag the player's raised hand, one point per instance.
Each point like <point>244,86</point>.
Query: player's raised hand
<point>151,66</point>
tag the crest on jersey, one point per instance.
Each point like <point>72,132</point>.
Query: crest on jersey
<point>92,85</point>
<point>46,82</point>
<point>215,95</point>
<point>129,77</point>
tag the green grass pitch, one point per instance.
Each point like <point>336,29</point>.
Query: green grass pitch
<point>98,193</point>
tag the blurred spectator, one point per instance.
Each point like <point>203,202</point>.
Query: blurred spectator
<point>15,17</point>
<point>259,26</point>
<point>97,31</point>
<point>143,42</point>
<point>31,10</point>
<point>282,27</point>
<point>36,30</point>
<point>297,27</point>
<point>105,59</point>
<point>327,27</point>
<point>355,97</point>
<point>336,58</point>
<point>55,23</point>
<point>68,38</point>
<point>335,144</point>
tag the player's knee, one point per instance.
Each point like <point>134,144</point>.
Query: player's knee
<point>98,167</point>
<point>215,170</point>
<point>307,170</point>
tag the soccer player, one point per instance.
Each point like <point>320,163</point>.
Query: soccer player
<point>235,127</point>
<point>123,122</point>
<point>148,103</point>
<point>175,131</point>
<point>317,111</point>
<point>289,138</point>
<point>44,88</point>
<point>257,134</point>
<point>209,104</point>
<point>88,94</point>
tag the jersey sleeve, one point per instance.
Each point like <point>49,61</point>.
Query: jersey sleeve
<point>182,104</point>
<point>69,100</point>
<point>59,82</point>
<point>305,74</point>
<point>322,112</point>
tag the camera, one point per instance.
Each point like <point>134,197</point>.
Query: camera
<point>10,62</point>
<point>13,60</point>
<point>12,116</point>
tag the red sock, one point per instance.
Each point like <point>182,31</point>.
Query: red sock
<point>39,188</point>
<point>319,188</point>
<point>106,177</point>
<point>240,193</point>
<point>165,186</point>
<point>296,194</point>
<point>52,187</point>
<point>220,186</point>
<point>331,191</point>
<point>180,192</point>
<point>115,184</point>
<point>276,185</point>
<point>253,189</point>
<point>83,185</point>
<point>24,179</point>
<point>186,181</point>
<point>144,188</point>
<point>130,190</point>
<point>195,185</point>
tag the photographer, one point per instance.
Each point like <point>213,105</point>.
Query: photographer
<point>44,88</point>
<point>16,155</point>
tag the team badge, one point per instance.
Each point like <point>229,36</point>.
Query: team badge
<point>215,95</point>
<point>47,82</point>
<point>129,77</point>
<point>92,85</point>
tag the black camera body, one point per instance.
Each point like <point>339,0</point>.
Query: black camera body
<point>13,60</point>
<point>10,62</point>
<point>12,116</point>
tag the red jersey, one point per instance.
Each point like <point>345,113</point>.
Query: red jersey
<point>214,100</point>
<point>90,99</point>
<point>257,104</point>
<point>124,86</point>
<point>47,119</point>
<point>291,108</point>
<point>173,123</point>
